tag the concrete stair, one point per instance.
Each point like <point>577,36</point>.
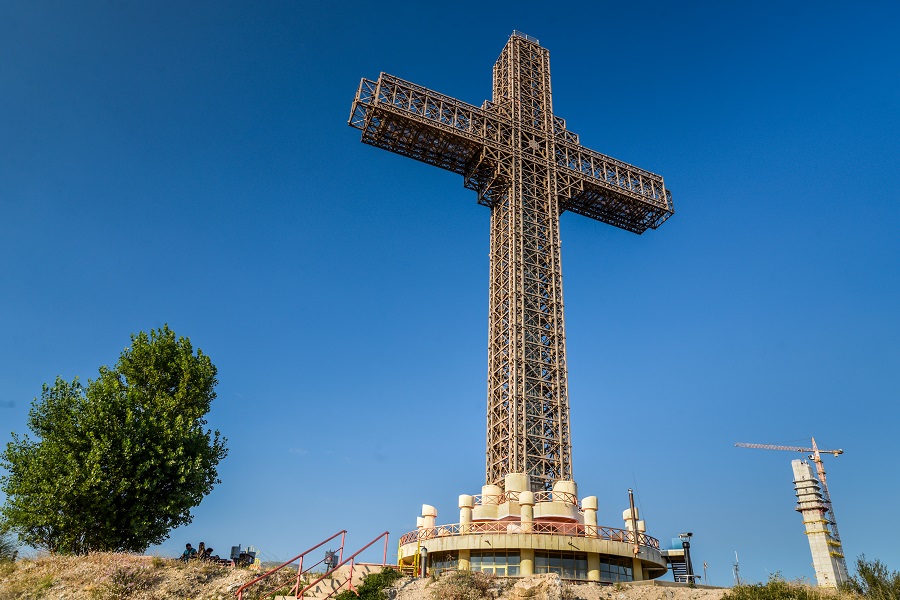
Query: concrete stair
<point>332,585</point>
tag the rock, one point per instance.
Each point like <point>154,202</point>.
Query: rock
<point>537,587</point>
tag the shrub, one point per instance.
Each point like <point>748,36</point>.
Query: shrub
<point>777,589</point>
<point>464,585</point>
<point>873,580</point>
<point>44,583</point>
<point>373,586</point>
<point>124,582</point>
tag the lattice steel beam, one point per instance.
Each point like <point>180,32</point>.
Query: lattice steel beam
<point>528,168</point>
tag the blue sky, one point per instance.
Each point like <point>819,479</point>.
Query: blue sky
<point>190,164</point>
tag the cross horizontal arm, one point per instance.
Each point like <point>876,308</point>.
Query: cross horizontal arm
<point>419,123</point>
<point>601,188</point>
<point>414,121</point>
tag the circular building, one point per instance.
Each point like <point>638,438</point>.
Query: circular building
<point>515,532</point>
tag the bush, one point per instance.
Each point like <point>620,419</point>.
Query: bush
<point>124,582</point>
<point>873,580</point>
<point>777,589</point>
<point>464,585</point>
<point>373,586</point>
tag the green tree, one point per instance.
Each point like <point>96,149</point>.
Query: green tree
<point>7,548</point>
<point>873,580</point>
<point>120,462</point>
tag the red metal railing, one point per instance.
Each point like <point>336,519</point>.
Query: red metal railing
<point>538,528</point>
<point>352,560</point>
<point>300,569</point>
<point>541,496</point>
<point>564,497</point>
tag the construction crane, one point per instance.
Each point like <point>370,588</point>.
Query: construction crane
<point>814,455</point>
<point>814,503</point>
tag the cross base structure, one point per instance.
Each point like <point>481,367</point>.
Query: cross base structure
<point>511,531</point>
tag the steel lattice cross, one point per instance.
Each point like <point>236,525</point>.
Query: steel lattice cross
<point>528,169</point>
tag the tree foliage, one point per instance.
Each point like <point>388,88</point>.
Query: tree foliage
<point>778,589</point>
<point>120,462</point>
<point>873,580</point>
<point>7,548</point>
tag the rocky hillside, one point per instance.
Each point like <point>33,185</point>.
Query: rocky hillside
<point>543,587</point>
<point>122,576</point>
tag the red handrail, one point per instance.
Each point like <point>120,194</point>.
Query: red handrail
<point>539,496</point>
<point>537,528</point>
<point>351,560</point>
<point>300,571</point>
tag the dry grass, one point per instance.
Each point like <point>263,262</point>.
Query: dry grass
<point>468,585</point>
<point>108,576</point>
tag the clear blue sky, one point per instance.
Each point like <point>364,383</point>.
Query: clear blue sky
<point>190,164</point>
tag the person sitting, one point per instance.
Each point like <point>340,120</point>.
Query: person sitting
<point>201,551</point>
<point>188,553</point>
<point>208,556</point>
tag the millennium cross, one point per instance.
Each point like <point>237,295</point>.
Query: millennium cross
<point>528,168</point>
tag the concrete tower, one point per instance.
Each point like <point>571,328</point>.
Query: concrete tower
<point>828,559</point>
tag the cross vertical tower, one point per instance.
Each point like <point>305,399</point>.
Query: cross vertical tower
<point>528,169</point>
<point>528,407</point>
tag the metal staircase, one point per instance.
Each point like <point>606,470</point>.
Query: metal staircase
<point>346,567</point>
<point>341,574</point>
<point>301,571</point>
<point>679,568</point>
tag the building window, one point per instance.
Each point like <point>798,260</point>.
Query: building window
<point>443,562</point>
<point>502,563</point>
<point>569,565</point>
<point>616,569</point>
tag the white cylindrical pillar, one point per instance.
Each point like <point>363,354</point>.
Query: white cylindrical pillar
<point>589,506</point>
<point>429,514</point>
<point>466,504</point>
<point>516,482</point>
<point>526,502</point>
